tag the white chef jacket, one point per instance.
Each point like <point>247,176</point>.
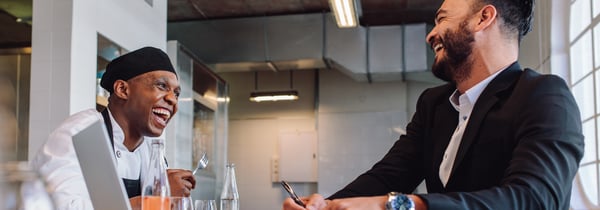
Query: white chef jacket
<point>58,165</point>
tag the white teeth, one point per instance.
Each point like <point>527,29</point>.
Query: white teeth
<point>437,47</point>
<point>162,112</point>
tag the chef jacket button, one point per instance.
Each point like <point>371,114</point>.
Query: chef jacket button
<point>118,154</point>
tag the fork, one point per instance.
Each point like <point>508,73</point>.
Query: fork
<point>202,163</point>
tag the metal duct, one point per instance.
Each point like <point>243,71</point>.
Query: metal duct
<point>308,41</point>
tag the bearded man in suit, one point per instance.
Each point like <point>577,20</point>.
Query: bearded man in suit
<point>494,137</point>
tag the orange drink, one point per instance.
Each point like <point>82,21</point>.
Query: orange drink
<point>156,203</point>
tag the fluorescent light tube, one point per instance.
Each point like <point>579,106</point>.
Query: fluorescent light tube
<point>345,12</point>
<point>274,96</point>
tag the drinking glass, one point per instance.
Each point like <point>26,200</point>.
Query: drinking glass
<point>206,205</point>
<point>181,203</point>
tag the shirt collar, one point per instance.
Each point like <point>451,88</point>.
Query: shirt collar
<point>118,134</point>
<point>472,94</point>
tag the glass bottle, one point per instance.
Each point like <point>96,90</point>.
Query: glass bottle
<point>155,187</point>
<point>230,199</point>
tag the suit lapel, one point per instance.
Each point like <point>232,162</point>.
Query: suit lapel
<point>484,103</point>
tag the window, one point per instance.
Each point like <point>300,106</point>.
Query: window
<point>584,77</point>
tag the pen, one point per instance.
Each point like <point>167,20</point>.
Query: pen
<point>293,195</point>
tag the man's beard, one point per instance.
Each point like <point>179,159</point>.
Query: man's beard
<point>455,66</point>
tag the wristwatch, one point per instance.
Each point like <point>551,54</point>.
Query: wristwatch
<point>399,201</point>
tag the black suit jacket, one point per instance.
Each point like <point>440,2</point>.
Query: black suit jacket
<point>520,150</point>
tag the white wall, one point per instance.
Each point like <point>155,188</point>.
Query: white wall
<point>357,124</point>
<point>252,145</point>
<point>254,129</point>
<point>64,45</point>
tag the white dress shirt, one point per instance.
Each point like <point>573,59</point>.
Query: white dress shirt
<point>464,105</point>
<point>58,165</point>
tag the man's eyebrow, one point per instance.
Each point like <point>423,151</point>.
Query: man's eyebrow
<point>439,12</point>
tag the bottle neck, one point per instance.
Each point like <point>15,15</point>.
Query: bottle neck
<point>156,182</point>
<point>157,149</point>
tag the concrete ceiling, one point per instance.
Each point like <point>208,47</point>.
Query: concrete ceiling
<point>15,15</point>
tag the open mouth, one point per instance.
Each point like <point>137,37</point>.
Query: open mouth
<point>437,47</point>
<point>162,115</point>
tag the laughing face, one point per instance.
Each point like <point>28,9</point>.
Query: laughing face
<point>451,39</point>
<point>152,102</point>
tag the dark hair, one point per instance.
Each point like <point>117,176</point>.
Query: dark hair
<point>517,15</point>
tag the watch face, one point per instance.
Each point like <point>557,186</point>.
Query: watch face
<point>398,201</point>
<point>405,203</point>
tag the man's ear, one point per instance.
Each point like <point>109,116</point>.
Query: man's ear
<point>121,89</point>
<point>486,17</point>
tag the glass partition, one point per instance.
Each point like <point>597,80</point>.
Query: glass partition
<point>200,125</point>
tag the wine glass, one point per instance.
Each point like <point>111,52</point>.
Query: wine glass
<point>181,203</point>
<point>206,205</point>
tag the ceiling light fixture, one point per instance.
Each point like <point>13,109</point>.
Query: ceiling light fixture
<point>286,95</point>
<point>345,12</point>
<point>274,96</point>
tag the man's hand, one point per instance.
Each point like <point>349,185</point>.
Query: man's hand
<point>367,203</point>
<point>314,202</point>
<point>181,182</point>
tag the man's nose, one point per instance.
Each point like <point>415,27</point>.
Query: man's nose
<point>430,37</point>
<point>171,97</point>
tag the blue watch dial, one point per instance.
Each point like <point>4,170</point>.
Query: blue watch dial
<point>400,202</point>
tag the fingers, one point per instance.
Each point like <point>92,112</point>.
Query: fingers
<point>181,182</point>
<point>189,176</point>
<point>373,202</point>
<point>315,202</point>
<point>288,204</point>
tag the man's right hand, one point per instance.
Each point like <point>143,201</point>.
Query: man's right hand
<point>314,202</point>
<point>181,182</point>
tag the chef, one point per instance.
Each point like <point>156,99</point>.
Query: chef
<point>144,90</point>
